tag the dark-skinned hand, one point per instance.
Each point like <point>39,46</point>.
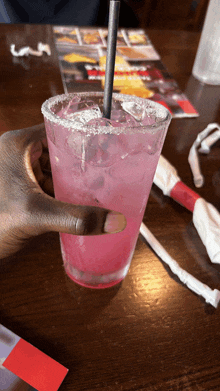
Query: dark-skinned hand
<point>27,205</point>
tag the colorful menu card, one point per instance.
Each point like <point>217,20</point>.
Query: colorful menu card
<point>138,68</point>
<point>24,367</point>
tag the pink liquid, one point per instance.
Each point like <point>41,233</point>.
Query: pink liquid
<point>121,182</point>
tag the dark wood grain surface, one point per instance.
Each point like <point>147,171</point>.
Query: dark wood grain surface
<point>150,332</point>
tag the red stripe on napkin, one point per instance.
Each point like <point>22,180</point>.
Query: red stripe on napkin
<point>35,367</point>
<point>161,102</point>
<point>187,107</point>
<point>184,195</point>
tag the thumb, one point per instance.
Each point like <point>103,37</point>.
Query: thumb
<point>49,214</point>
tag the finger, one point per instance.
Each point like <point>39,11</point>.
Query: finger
<point>43,178</point>
<point>49,214</point>
<point>27,150</point>
<point>40,163</point>
<point>47,185</point>
<point>36,151</point>
<point>24,145</point>
<point>45,161</point>
<point>38,172</point>
<point>21,138</point>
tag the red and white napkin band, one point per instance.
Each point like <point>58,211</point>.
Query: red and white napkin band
<point>205,218</point>
<point>21,360</point>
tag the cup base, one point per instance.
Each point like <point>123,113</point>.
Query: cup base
<point>99,286</point>
<point>89,280</point>
<point>207,78</point>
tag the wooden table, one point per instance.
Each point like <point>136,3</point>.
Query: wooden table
<point>149,333</point>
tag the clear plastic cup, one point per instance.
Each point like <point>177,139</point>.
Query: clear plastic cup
<point>110,165</point>
<point>206,67</point>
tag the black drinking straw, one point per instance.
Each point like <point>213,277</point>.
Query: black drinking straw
<point>110,60</point>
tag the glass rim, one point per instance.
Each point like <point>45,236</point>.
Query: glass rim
<point>69,124</point>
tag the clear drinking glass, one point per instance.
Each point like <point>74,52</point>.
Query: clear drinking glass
<point>206,67</point>
<point>103,163</point>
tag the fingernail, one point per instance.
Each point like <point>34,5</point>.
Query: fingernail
<point>115,222</point>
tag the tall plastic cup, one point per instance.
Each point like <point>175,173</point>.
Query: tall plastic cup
<point>206,67</point>
<point>103,163</point>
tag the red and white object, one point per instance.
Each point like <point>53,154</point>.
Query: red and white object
<point>20,358</point>
<point>206,218</point>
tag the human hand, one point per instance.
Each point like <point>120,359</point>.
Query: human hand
<point>27,207</point>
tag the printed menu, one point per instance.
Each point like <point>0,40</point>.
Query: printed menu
<point>138,67</point>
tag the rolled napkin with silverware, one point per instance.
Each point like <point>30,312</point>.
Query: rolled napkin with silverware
<point>206,218</point>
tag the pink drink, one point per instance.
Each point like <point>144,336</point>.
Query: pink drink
<point>108,166</point>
